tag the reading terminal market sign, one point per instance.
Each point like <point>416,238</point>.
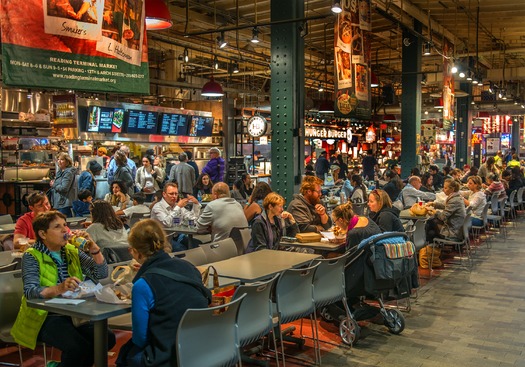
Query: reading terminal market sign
<point>324,133</point>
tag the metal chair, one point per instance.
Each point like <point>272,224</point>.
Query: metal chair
<point>496,218</point>
<point>510,208</point>
<point>116,254</point>
<point>241,236</point>
<point>476,230</point>
<point>519,197</point>
<point>457,243</point>
<point>329,287</point>
<point>10,300</point>
<point>294,299</point>
<point>220,250</point>
<point>217,334</point>
<point>255,316</point>
<point>196,256</point>
<point>135,217</point>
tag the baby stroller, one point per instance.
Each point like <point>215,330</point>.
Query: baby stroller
<point>382,268</point>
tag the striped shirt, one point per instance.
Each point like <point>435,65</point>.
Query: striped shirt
<point>31,270</point>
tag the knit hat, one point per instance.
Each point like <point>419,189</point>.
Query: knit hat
<point>94,167</point>
<point>215,150</point>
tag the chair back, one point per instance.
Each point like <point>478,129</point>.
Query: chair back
<point>512,198</point>
<point>76,224</point>
<point>501,206</point>
<point>241,236</point>
<point>467,223</point>
<point>216,333</point>
<point>6,257</point>
<point>8,267</point>
<point>135,217</point>
<point>519,196</point>
<point>196,256</point>
<point>116,254</point>
<point>494,205</point>
<point>419,237</point>
<point>10,300</point>
<point>6,219</point>
<point>329,280</point>
<point>255,314</point>
<point>294,293</point>
<point>485,213</point>
<point>220,250</point>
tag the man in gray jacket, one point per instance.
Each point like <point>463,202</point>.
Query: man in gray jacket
<point>183,174</point>
<point>411,194</point>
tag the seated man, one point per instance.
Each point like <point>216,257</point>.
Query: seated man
<point>38,203</point>
<point>81,206</point>
<point>307,209</point>
<point>411,194</point>
<point>170,208</point>
<point>221,214</point>
<point>138,206</point>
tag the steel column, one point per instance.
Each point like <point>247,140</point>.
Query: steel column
<point>463,127</point>
<point>287,97</point>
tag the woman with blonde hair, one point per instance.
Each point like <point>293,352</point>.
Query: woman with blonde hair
<point>274,222</point>
<point>64,190</point>
<point>163,289</point>
<point>357,228</point>
<point>383,213</point>
<point>255,202</point>
<point>476,199</point>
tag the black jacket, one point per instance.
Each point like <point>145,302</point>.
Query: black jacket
<point>388,220</point>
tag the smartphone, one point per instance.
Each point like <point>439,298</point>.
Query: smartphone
<point>288,239</point>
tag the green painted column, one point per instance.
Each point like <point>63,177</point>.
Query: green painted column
<point>411,101</point>
<point>287,90</point>
<point>463,130</point>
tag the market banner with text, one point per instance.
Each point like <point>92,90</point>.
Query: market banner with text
<point>352,60</point>
<point>96,45</point>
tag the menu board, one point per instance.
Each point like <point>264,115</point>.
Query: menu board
<point>200,126</point>
<point>142,122</point>
<point>105,119</point>
<point>173,124</point>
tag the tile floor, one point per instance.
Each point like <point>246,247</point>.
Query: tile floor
<point>461,318</point>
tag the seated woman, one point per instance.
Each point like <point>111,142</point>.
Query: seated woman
<point>358,195</point>
<point>494,185</point>
<point>50,268</point>
<point>357,228</point>
<point>158,301</point>
<point>106,228</point>
<point>448,218</point>
<point>476,200</point>
<point>255,203</point>
<point>202,186</point>
<point>118,196</point>
<point>515,179</point>
<point>427,183</point>
<point>383,213</point>
<point>394,185</point>
<point>269,227</point>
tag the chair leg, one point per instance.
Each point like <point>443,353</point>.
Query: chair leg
<point>45,354</point>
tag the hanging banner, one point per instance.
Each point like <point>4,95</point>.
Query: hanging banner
<point>448,87</point>
<point>352,60</point>
<point>96,45</point>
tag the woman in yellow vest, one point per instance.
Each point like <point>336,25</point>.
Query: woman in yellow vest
<point>49,269</point>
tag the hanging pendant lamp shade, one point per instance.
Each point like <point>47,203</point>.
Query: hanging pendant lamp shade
<point>326,107</point>
<point>212,89</point>
<point>157,15</point>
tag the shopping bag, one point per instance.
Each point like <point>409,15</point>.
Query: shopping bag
<point>425,255</point>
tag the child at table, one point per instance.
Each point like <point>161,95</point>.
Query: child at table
<point>138,206</point>
<point>81,206</point>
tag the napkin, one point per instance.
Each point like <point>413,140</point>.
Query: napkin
<point>65,301</point>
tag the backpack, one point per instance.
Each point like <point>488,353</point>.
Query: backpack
<point>123,174</point>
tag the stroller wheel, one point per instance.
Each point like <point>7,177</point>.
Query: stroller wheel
<point>349,330</point>
<point>326,315</point>
<point>394,321</point>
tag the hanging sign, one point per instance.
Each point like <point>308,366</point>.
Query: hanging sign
<point>370,135</point>
<point>324,133</point>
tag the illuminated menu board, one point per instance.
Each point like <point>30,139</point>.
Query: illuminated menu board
<point>201,126</point>
<point>173,124</point>
<point>105,119</point>
<point>142,122</point>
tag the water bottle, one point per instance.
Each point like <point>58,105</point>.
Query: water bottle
<point>191,220</point>
<point>342,197</point>
<point>176,220</point>
<point>199,196</point>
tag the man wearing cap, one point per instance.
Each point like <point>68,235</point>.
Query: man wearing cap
<point>113,166</point>
<point>215,166</point>
<point>103,152</point>
<point>322,166</point>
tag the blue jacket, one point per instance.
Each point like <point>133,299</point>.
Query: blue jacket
<point>215,169</point>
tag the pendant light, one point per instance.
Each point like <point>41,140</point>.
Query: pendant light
<point>212,89</point>
<point>158,15</point>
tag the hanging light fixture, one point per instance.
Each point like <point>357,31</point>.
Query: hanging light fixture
<point>461,74</point>
<point>186,55</point>
<point>336,7</point>
<point>212,89</point>
<point>255,35</point>
<point>426,49</point>
<point>235,69</point>
<point>216,63</point>
<point>326,107</point>
<point>157,15</point>
<point>320,87</point>
<point>454,69</point>
<point>374,82</point>
<point>221,41</point>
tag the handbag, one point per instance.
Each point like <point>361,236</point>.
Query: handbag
<point>219,295</point>
<point>426,253</point>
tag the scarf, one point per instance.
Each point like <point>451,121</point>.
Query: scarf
<point>352,223</point>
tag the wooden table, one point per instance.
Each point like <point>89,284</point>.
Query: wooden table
<point>261,265</point>
<point>91,310</point>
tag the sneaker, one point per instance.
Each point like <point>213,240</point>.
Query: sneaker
<point>53,364</point>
